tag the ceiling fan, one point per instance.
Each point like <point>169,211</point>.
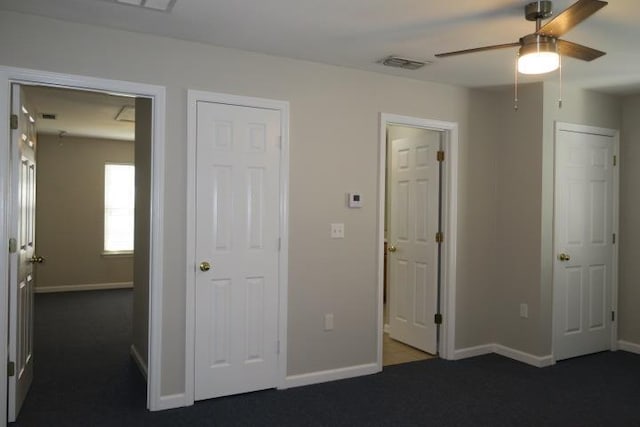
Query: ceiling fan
<point>540,51</point>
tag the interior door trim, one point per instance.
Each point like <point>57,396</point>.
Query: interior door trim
<point>449,183</point>
<point>10,75</point>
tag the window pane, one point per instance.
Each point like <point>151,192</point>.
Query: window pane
<point>119,199</point>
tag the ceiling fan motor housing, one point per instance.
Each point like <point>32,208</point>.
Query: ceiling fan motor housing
<point>537,43</point>
<point>538,10</point>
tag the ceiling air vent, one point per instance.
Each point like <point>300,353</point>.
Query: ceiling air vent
<point>161,5</point>
<point>407,64</point>
<point>127,114</point>
<point>48,116</point>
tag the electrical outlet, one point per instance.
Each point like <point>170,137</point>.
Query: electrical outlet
<point>337,231</point>
<point>328,322</point>
<point>524,311</point>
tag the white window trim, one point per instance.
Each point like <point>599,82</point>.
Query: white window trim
<point>117,253</point>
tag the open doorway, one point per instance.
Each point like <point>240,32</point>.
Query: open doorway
<point>88,153</point>
<point>412,247</point>
<point>417,239</point>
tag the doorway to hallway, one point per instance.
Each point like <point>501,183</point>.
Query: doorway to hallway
<point>417,238</point>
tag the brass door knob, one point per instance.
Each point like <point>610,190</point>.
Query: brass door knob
<point>36,259</point>
<point>205,266</point>
<point>391,248</point>
<point>564,257</point>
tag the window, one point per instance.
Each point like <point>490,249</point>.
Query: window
<point>119,199</point>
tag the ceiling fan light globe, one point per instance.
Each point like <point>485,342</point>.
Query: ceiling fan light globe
<point>538,62</point>
<point>538,54</point>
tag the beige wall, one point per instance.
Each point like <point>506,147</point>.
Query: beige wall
<point>525,195</point>
<point>522,165</point>
<point>70,211</point>
<point>334,148</point>
<point>142,228</point>
<point>629,273</point>
<point>477,213</point>
<point>518,190</point>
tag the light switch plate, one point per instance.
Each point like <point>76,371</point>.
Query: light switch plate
<point>524,311</point>
<point>337,231</point>
<point>328,322</point>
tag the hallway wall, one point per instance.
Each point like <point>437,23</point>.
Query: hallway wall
<point>70,213</point>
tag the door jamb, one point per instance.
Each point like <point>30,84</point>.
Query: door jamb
<point>615,135</point>
<point>195,96</point>
<point>9,75</point>
<point>446,346</point>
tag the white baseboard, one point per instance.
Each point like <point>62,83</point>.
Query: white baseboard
<point>170,401</point>
<point>520,356</point>
<point>330,375</point>
<point>386,328</point>
<point>629,346</point>
<point>81,287</point>
<point>478,350</point>
<point>135,355</point>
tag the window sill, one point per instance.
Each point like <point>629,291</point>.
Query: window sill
<point>112,254</point>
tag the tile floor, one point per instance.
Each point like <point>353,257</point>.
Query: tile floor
<point>394,352</point>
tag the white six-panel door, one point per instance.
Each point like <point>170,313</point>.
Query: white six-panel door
<point>583,233</point>
<point>21,280</point>
<point>237,234</point>
<point>413,251</point>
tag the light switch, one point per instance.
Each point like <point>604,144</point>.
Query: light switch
<point>328,322</point>
<point>337,231</point>
<point>524,311</point>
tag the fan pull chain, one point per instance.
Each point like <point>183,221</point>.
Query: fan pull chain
<point>560,73</point>
<point>515,97</point>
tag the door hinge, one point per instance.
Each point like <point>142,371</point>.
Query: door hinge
<point>437,319</point>
<point>439,237</point>
<point>615,160</point>
<point>13,121</point>
<point>11,369</point>
<point>13,245</point>
<point>613,316</point>
<point>440,156</point>
<point>278,347</point>
<point>614,238</point>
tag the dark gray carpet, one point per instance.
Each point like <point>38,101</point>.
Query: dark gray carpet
<point>84,377</point>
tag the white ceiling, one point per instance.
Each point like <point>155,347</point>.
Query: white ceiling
<point>358,33</point>
<point>80,113</point>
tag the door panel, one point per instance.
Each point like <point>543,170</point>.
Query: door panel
<point>597,297</point>
<point>583,232</point>
<point>237,224</point>
<point>22,275</point>
<point>414,221</point>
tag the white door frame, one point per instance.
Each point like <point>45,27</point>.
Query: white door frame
<point>615,135</point>
<point>446,346</point>
<point>9,75</point>
<point>195,96</point>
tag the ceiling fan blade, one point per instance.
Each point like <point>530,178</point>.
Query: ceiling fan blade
<point>477,49</point>
<point>578,51</point>
<point>570,17</point>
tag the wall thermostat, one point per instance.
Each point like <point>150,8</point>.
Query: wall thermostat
<point>355,200</point>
